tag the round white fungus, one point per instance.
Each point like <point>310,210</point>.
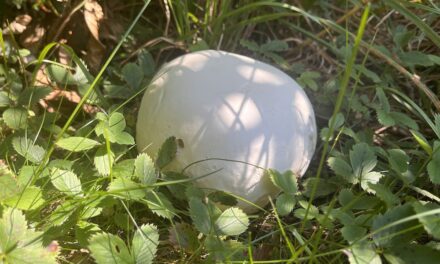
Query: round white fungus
<point>237,114</point>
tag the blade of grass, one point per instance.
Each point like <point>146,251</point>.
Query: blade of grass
<point>339,100</point>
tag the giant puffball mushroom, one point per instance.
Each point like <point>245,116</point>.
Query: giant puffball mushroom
<point>236,115</point>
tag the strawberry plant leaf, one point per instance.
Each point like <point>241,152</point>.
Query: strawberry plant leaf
<point>285,203</point>
<point>108,249</point>
<point>66,182</point>
<point>77,144</point>
<point>233,221</point>
<point>145,170</point>
<point>27,149</point>
<point>15,118</point>
<point>144,244</point>
<point>286,181</point>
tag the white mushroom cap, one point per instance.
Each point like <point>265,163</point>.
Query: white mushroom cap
<point>227,106</point>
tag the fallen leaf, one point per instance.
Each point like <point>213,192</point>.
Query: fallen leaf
<point>93,15</point>
<point>19,24</point>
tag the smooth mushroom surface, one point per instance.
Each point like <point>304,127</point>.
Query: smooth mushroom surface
<point>237,114</point>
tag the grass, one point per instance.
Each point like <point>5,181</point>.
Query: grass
<point>77,191</point>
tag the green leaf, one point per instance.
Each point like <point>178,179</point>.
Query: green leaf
<point>125,188</point>
<point>404,120</point>
<point>4,99</point>
<point>371,177</point>
<point>223,198</point>
<point>29,199</point>
<point>109,249</point>
<point>274,46</point>
<point>363,253</point>
<point>84,231</point>
<point>28,150</point>
<point>133,75</point>
<point>19,244</point>
<point>116,122</point>
<point>62,213</point>
<point>434,165</point>
<point>324,187</point>
<point>352,233</point>
<point>286,181</point>
<point>385,118</point>
<point>200,215</point>
<point>250,45</point>
<point>431,223</point>
<point>147,63</point>
<point>61,75</point>
<point>8,183</point>
<point>396,234</point>
<point>412,253</point>
<point>145,170</point>
<point>103,161</point>
<point>385,194</point>
<point>423,142</point>
<point>160,205</point>
<point>77,144</point>
<point>398,159</point>
<point>31,96</point>
<point>144,245</point>
<point>122,138</point>
<point>362,159</point>
<point>167,152</point>
<point>124,168</point>
<point>15,118</point>
<point>184,236</point>
<point>285,204</point>
<point>66,181</point>
<point>342,168</point>
<point>383,100</point>
<point>301,212</point>
<point>233,221</point>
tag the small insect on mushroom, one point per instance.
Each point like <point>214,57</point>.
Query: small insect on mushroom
<point>237,114</point>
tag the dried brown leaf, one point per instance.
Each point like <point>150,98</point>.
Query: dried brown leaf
<point>19,24</point>
<point>93,16</point>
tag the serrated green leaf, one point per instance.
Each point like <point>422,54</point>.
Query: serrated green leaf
<point>109,249</point>
<point>431,223</point>
<point>122,138</point>
<point>116,122</point>
<point>404,120</point>
<point>286,181</point>
<point>125,188</point>
<point>61,75</point>
<point>167,152</point>
<point>412,253</point>
<point>385,118</point>
<point>133,75</point>
<point>371,177</point>
<point>62,213</point>
<point>383,100</point>
<point>8,183</point>
<point>362,159</point>
<point>124,168</point>
<point>19,244</point>
<point>28,199</point>
<point>184,236</point>
<point>15,118</point>
<point>144,245</point>
<point>385,194</point>
<point>84,231</point>
<point>200,215</point>
<point>233,221</point>
<point>285,204</point>
<point>77,144</point>
<point>103,161</point>
<point>145,170</point>
<point>352,233</point>
<point>434,164</point>
<point>160,204</point>
<point>30,96</point>
<point>397,234</point>
<point>342,168</point>
<point>398,159</point>
<point>66,182</point>
<point>324,187</point>
<point>27,149</point>
<point>4,99</point>
<point>363,253</point>
<point>301,212</point>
